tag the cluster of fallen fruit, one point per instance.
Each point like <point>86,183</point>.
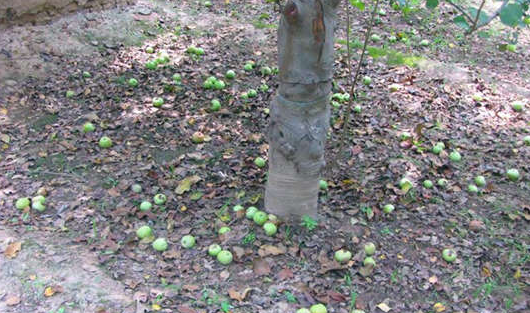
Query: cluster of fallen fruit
<point>267,221</point>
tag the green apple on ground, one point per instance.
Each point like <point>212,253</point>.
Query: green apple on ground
<point>224,257</point>
<point>369,248</point>
<point>272,218</point>
<point>303,310</point>
<point>251,210</point>
<point>424,43</point>
<point>191,50</point>
<point>318,308</point>
<point>133,82</point>
<point>160,199</point>
<point>357,109</point>
<point>252,93</point>
<point>215,105</point>
<point>526,20</point>
<point>70,94</point>
<point>438,147</point>
<point>375,38</point>
<point>105,142</point>
<point>512,174</point>
<point>478,98</point>
<point>266,110</point>
<point>369,261</point>
<point>214,249</point>
<point>342,255</point>
<point>442,182</point>
<point>480,181</point>
<point>39,199</point>
<point>249,66</point>
<point>323,185</point>
<point>160,244</point>
<point>219,84</point>
<point>197,137</point>
<point>526,140</point>
<point>259,161</point>
<point>87,74</point>
<point>237,208</point>
<point>230,74</point>
<point>265,70</point>
<point>449,255</point>
<point>207,84</point>
<point>151,65</point>
<point>136,188</point>
<point>176,77</point>
<point>264,87</point>
<point>455,156</point>
<point>145,206</point>
<point>144,231</point>
<point>224,230</point>
<point>517,106</point>
<point>405,183</point>
<point>427,184</point>
<point>472,188</point>
<point>394,87</point>
<point>199,51</point>
<point>188,241</point>
<point>88,127</point>
<point>164,57</point>
<point>269,228</point>
<point>158,102</point>
<point>38,206</point>
<point>388,208</point>
<point>381,12</point>
<point>244,95</point>
<point>367,80</point>
<point>22,203</point>
<point>150,50</point>
<point>260,218</point>
<point>511,47</point>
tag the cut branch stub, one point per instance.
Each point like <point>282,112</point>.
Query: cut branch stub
<point>300,110</point>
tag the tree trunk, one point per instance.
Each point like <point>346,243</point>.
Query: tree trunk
<point>300,110</point>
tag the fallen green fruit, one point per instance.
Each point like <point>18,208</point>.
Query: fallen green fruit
<point>133,82</point>
<point>136,188</point>
<point>219,84</point>
<point>87,74</point>
<point>264,87</point>
<point>427,184</point>
<point>357,109</point>
<point>251,210</point>
<point>70,94</point>
<point>526,140</point>
<point>405,183</point>
<point>342,255</point>
<point>318,308</point>
<point>237,208</point>
<point>260,217</point>
<point>394,87</point>
<point>480,181</point>
<point>455,156</point>
<point>224,257</point>
<point>265,70</point>
<point>369,261</point>
<point>472,188</point>
<point>160,244</point>
<point>517,106</point>
<point>38,206</point>
<point>176,77</point>
<point>214,249</point>
<point>150,50</point>
<point>303,310</point>
<point>230,74</point>
<point>375,38</point>
<point>248,67</point>
<point>269,228</point>
<point>244,95</point>
<point>22,203</point>
<point>151,65</point>
<point>188,241</point>
<point>159,199</point>
<point>197,137</point>
<point>145,206</point>
<point>38,199</point>
<point>88,127</point>
<point>513,174</point>
<point>259,161</point>
<point>449,255</point>
<point>511,47</point>
<point>323,184</point>
<point>367,80</point>
<point>224,230</point>
<point>252,93</point>
<point>105,142</point>
<point>144,231</point>
<point>158,102</point>
<point>192,50</point>
<point>388,208</point>
<point>424,43</point>
<point>199,51</point>
<point>442,182</point>
<point>216,105</point>
<point>369,248</point>
<point>437,149</point>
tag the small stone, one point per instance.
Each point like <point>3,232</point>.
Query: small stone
<point>476,225</point>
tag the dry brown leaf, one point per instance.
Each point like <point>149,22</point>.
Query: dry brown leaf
<point>13,249</point>
<point>267,250</point>
<point>235,295</point>
<point>185,184</point>
<point>433,279</point>
<point>261,267</point>
<point>185,309</point>
<point>285,273</point>
<point>12,300</point>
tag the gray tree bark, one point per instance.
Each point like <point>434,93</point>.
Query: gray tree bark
<point>299,112</point>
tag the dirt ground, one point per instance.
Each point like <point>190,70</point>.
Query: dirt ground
<point>82,253</point>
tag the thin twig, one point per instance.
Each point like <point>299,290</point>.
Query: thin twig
<point>456,6</point>
<point>346,121</point>
<point>474,26</point>
<point>492,17</point>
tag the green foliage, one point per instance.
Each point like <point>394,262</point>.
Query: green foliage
<point>309,223</point>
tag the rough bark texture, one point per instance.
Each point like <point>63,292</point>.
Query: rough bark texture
<point>38,11</point>
<point>300,110</point>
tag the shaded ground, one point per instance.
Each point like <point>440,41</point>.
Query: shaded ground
<point>90,203</point>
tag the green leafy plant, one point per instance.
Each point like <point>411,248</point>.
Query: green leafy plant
<point>309,223</point>
<point>249,238</point>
